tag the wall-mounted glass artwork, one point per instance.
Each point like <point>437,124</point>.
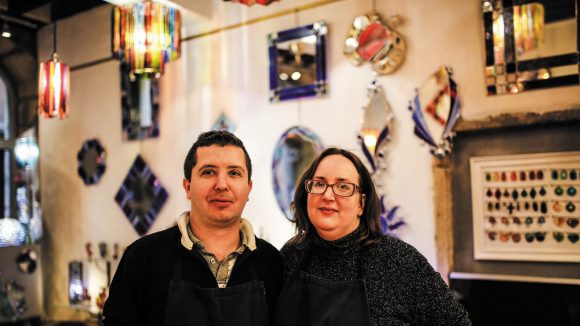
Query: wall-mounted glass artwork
<point>376,129</point>
<point>223,122</point>
<point>530,44</point>
<point>27,261</point>
<point>297,62</point>
<point>141,196</point>
<point>91,161</point>
<point>525,207</point>
<point>436,110</point>
<point>139,106</point>
<point>370,39</point>
<point>377,124</point>
<point>294,151</point>
<point>12,301</point>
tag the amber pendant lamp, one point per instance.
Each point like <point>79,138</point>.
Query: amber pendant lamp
<point>53,86</point>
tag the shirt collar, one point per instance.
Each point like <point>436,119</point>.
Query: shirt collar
<point>189,240</point>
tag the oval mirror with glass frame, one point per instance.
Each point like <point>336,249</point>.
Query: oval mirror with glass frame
<point>294,151</point>
<point>91,161</point>
<point>530,44</point>
<point>436,110</point>
<point>370,39</point>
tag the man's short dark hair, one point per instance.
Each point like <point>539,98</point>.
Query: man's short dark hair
<point>220,138</point>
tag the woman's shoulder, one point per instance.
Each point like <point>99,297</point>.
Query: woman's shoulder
<point>291,249</point>
<point>395,250</point>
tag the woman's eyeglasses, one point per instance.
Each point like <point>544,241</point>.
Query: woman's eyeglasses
<point>343,189</point>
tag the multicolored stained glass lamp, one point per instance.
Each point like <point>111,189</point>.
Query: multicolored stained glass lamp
<point>53,86</point>
<point>146,35</point>
<point>252,2</point>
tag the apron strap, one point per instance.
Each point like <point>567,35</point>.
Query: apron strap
<point>177,264</point>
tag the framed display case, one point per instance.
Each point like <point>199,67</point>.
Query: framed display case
<point>526,207</point>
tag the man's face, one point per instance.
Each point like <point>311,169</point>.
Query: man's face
<point>219,186</point>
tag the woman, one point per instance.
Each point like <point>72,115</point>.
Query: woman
<point>341,270</point>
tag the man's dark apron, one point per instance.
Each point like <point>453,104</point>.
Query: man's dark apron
<point>307,300</point>
<point>240,305</point>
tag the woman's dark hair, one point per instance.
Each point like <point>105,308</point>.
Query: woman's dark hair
<point>220,138</point>
<point>369,220</point>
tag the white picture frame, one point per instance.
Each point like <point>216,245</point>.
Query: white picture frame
<point>511,227</point>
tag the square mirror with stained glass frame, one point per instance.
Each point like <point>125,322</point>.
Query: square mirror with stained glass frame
<point>297,62</point>
<point>530,44</point>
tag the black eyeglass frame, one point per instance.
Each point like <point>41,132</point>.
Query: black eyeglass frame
<point>355,187</point>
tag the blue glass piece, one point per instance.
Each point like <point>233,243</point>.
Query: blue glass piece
<point>421,131</point>
<point>420,122</point>
<point>141,196</point>
<point>294,151</point>
<point>223,122</point>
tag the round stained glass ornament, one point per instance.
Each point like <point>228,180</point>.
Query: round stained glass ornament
<point>572,222</point>
<point>27,261</point>
<point>91,160</point>
<point>541,220</point>
<point>542,191</point>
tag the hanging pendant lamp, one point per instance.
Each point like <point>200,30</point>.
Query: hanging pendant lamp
<point>251,2</point>
<point>146,36</point>
<point>53,86</point>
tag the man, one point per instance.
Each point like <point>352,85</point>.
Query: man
<point>209,269</point>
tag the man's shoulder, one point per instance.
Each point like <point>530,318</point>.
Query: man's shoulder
<point>158,241</point>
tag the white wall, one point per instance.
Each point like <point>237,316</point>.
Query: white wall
<point>228,72</point>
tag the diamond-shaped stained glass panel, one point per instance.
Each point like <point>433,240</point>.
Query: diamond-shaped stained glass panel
<point>141,196</point>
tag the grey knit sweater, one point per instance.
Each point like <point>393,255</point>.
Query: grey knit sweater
<point>402,288</point>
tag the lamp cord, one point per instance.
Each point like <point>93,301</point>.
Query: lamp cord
<point>54,37</point>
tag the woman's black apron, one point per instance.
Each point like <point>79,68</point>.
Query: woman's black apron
<point>307,300</point>
<point>239,305</point>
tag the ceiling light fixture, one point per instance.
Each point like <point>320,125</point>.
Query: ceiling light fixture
<point>146,35</point>
<point>251,2</point>
<point>53,86</point>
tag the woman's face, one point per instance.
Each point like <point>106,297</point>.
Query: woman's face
<point>334,216</point>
